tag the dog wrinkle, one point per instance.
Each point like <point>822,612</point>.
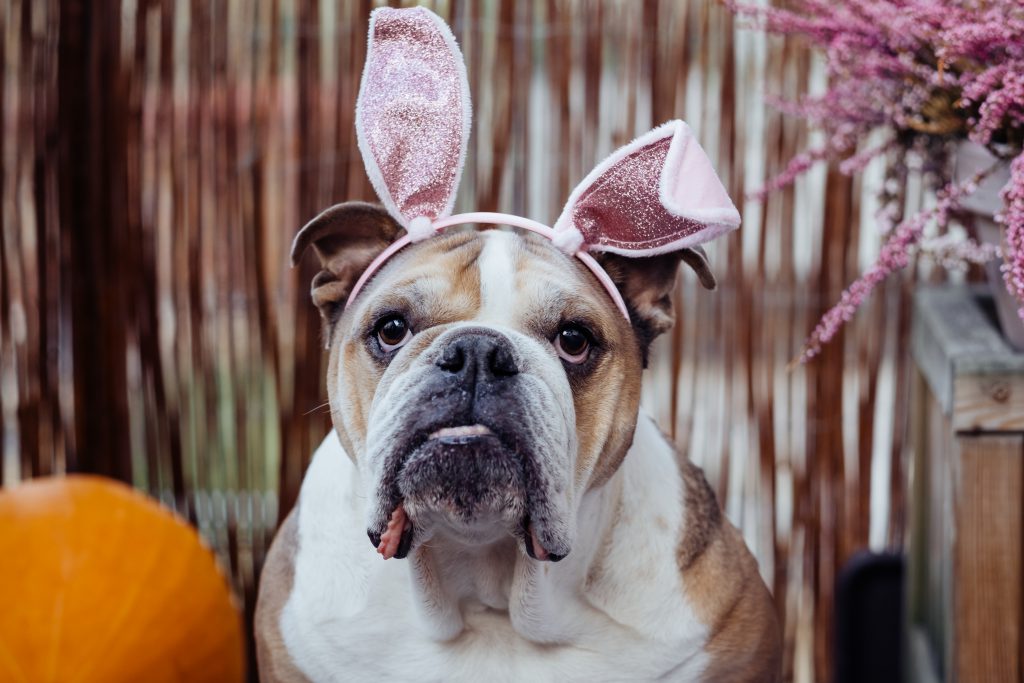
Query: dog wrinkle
<point>438,610</point>
<point>351,405</point>
<point>401,391</point>
<point>435,277</point>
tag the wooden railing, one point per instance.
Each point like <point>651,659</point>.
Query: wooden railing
<point>967,494</point>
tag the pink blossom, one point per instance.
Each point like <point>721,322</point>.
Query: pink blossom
<point>859,161</point>
<point>1012,219</point>
<point>796,167</point>
<point>1002,101</point>
<point>895,255</point>
<point>956,253</point>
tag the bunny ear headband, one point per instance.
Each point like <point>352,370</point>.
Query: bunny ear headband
<point>655,195</point>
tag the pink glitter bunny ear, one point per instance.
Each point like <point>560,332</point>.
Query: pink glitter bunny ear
<point>413,116</point>
<point>655,195</point>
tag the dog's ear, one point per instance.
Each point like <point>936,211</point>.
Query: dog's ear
<point>697,258</point>
<point>346,238</point>
<point>647,283</point>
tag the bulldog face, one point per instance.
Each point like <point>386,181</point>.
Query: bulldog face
<point>483,380</point>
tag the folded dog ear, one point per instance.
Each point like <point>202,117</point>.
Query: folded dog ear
<point>647,283</point>
<point>346,238</point>
<point>413,116</point>
<point>697,258</point>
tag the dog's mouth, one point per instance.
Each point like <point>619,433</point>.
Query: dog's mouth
<point>463,473</point>
<point>396,541</point>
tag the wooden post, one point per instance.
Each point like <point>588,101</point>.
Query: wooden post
<point>966,487</point>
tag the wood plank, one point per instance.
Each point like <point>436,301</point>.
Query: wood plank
<point>987,558</point>
<point>989,402</point>
<point>930,537</point>
<point>918,563</point>
<point>941,535</point>
<point>953,338</point>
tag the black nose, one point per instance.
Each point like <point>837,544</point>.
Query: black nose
<point>478,356</point>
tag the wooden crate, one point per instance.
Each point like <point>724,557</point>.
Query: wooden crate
<point>966,479</point>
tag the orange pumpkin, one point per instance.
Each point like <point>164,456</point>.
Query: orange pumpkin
<point>100,583</point>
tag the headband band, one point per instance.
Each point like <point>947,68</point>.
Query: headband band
<point>492,219</point>
<point>656,195</point>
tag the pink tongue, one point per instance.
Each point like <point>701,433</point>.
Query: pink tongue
<point>538,549</point>
<point>392,536</point>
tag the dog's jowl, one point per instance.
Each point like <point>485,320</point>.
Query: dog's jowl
<point>492,504</point>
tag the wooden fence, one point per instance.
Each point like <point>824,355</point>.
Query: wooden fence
<point>158,157</point>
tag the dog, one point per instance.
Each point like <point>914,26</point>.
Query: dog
<point>488,442</point>
<point>514,439</point>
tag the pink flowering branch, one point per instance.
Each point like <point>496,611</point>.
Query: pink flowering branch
<point>929,72</point>
<point>797,166</point>
<point>859,161</point>
<point>1012,219</point>
<point>895,255</point>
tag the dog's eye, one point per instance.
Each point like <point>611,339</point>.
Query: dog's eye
<point>392,332</point>
<point>572,343</point>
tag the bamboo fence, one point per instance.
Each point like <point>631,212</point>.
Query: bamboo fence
<point>159,156</point>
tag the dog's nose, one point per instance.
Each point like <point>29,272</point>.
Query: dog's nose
<point>476,355</point>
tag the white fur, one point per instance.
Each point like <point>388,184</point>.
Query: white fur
<point>350,614</point>
<point>497,276</point>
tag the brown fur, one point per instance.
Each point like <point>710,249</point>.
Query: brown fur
<point>703,516</point>
<point>647,285</point>
<point>723,583</point>
<point>275,664</point>
<point>346,238</point>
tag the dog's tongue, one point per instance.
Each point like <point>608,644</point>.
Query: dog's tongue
<point>392,536</point>
<point>538,550</point>
<point>399,525</point>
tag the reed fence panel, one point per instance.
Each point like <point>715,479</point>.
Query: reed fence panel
<point>158,156</point>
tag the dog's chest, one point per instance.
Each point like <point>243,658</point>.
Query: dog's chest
<point>350,615</point>
<point>385,644</point>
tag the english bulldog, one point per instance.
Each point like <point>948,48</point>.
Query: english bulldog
<point>491,503</point>
<point>487,436</point>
